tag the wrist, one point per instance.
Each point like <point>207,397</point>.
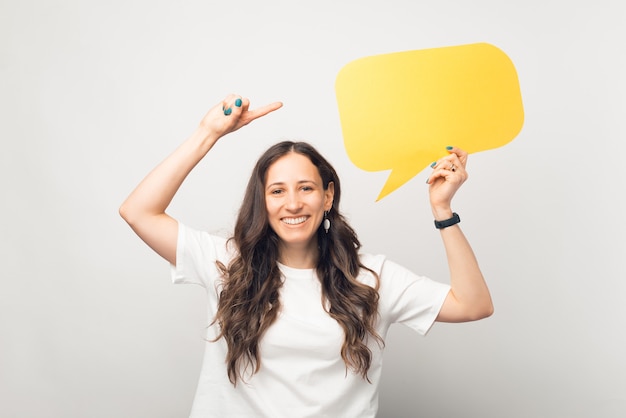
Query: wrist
<point>442,213</point>
<point>453,220</point>
<point>205,137</point>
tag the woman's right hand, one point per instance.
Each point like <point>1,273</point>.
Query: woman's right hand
<point>231,114</point>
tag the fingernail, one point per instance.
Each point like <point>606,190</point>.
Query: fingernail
<point>228,111</point>
<point>449,148</point>
<point>433,164</point>
<point>238,102</point>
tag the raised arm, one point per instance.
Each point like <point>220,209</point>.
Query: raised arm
<point>144,209</point>
<point>469,297</point>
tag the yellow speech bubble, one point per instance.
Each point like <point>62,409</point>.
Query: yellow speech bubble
<point>399,111</point>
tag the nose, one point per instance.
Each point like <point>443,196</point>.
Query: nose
<point>293,202</point>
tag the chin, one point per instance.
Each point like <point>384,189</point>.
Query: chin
<point>291,238</point>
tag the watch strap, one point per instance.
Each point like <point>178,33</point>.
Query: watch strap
<point>448,222</point>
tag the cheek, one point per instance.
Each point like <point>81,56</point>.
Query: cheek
<point>270,207</point>
<point>318,203</point>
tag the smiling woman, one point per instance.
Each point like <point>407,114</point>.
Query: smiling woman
<point>296,199</point>
<point>298,313</point>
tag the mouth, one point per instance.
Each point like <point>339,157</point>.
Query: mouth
<point>294,221</point>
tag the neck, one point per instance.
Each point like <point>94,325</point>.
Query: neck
<point>299,257</point>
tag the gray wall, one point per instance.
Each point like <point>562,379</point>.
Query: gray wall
<point>94,94</point>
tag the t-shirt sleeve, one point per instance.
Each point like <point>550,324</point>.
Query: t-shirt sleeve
<point>196,256</point>
<point>407,298</point>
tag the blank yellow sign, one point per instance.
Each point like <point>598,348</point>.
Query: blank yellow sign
<point>399,111</point>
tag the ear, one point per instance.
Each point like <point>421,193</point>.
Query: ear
<point>329,195</point>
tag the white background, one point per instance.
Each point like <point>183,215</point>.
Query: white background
<point>95,94</point>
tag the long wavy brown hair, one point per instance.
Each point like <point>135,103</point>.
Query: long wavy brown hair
<point>249,300</point>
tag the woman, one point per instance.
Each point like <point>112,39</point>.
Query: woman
<point>298,315</point>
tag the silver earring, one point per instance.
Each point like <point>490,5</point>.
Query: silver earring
<point>326,222</point>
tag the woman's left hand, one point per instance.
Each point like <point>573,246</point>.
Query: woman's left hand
<point>448,175</point>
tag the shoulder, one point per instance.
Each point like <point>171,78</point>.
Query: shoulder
<point>196,256</point>
<point>373,262</point>
<point>381,265</point>
<point>390,274</point>
<point>205,243</point>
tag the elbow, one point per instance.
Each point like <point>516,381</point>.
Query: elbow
<point>482,307</point>
<point>484,311</point>
<point>477,311</point>
<point>126,213</point>
<point>488,311</point>
<point>123,211</point>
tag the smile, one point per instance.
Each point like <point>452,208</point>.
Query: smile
<point>295,221</point>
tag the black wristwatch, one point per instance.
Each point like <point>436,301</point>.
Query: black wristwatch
<point>448,222</point>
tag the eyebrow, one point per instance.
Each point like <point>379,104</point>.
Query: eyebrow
<point>282,183</point>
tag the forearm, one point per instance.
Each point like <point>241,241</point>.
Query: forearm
<point>155,192</point>
<point>468,287</point>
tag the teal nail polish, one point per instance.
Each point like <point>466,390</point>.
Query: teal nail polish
<point>433,164</point>
<point>449,148</point>
<point>228,111</point>
<point>238,102</point>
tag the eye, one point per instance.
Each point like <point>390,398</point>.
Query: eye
<point>307,188</point>
<point>276,191</point>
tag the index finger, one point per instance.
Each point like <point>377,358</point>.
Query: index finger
<point>259,112</point>
<point>461,154</point>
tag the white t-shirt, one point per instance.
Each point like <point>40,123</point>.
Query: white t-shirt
<point>302,373</point>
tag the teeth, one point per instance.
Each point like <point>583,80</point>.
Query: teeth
<point>294,221</point>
